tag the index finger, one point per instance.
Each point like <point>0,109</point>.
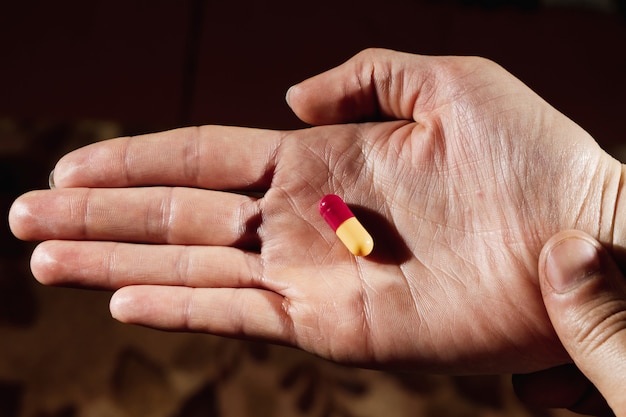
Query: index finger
<point>215,157</point>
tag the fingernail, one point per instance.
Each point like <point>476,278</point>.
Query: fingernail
<point>288,95</point>
<point>51,180</point>
<point>570,263</point>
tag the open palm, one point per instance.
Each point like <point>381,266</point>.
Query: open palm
<point>458,170</point>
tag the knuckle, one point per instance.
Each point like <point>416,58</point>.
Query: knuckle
<point>601,326</point>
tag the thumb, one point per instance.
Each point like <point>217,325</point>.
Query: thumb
<point>374,85</point>
<point>585,295</point>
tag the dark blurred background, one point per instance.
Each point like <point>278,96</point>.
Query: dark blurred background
<point>164,63</point>
<point>73,72</point>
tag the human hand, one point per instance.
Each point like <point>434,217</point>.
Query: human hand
<point>585,294</point>
<point>460,172</point>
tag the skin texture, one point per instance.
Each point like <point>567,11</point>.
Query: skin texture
<point>458,170</point>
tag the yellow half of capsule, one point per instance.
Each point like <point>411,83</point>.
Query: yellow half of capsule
<point>355,237</point>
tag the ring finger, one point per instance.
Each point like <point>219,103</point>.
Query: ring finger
<point>112,265</point>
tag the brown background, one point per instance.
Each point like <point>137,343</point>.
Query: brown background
<point>164,63</point>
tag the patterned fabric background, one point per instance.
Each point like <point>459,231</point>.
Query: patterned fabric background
<point>64,356</point>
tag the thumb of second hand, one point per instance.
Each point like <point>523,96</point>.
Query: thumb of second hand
<point>585,295</point>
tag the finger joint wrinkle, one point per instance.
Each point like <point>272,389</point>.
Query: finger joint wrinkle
<point>191,156</point>
<point>184,266</point>
<point>81,209</point>
<point>159,217</point>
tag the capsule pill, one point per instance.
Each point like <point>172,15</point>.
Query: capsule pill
<point>345,225</point>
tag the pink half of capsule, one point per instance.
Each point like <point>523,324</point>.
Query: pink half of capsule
<point>345,225</point>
